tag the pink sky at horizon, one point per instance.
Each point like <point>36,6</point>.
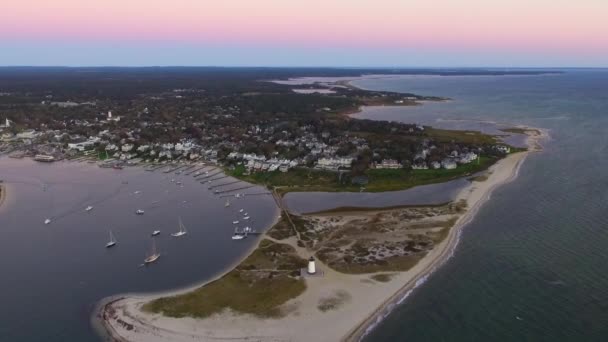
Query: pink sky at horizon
<point>533,26</point>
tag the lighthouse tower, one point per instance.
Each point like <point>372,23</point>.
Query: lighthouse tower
<point>311,269</point>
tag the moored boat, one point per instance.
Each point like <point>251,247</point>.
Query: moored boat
<point>112,241</point>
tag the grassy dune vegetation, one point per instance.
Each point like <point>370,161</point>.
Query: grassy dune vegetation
<point>259,286</point>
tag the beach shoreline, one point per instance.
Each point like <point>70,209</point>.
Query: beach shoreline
<point>123,319</point>
<point>365,327</point>
<point>2,194</point>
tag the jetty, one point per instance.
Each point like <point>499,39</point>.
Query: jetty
<point>218,178</point>
<point>209,175</point>
<point>193,171</point>
<point>233,190</point>
<point>223,184</point>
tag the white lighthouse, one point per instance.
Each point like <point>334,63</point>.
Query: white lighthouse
<point>311,269</point>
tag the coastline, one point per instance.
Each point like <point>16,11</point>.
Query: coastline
<point>2,194</point>
<point>128,323</point>
<point>99,316</point>
<point>451,242</point>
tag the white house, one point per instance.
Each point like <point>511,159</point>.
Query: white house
<point>389,164</point>
<point>448,164</point>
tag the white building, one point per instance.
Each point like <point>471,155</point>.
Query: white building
<point>448,164</point>
<point>126,147</point>
<point>334,163</point>
<point>311,269</point>
<point>112,118</point>
<point>389,164</point>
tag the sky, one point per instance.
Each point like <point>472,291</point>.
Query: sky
<point>348,33</point>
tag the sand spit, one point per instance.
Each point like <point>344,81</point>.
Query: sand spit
<point>335,307</point>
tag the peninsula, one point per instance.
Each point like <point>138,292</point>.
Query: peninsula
<point>329,274</point>
<point>366,260</point>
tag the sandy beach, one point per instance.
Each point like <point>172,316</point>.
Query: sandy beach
<point>360,300</point>
<point>2,194</point>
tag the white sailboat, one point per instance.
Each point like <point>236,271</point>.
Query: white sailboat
<point>237,235</point>
<point>153,256</point>
<point>89,208</point>
<point>182,229</point>
<point>47,221</point>
<point>112,241</point>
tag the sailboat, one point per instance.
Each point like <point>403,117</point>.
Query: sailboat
<point>237,235</point>
<point>227,203</point>
<point>241,210</point>
<point>153,256</point>
<point>89,208</point>
<point>139,212</point>
<point>112,242</point>
<point>47,221</point>
<point>182,229</point>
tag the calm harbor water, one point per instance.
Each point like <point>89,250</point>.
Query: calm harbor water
<point>308,202</point>
<point>532,265</point>
<point>52,275</point>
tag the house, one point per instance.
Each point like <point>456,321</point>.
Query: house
<point>448,164</point>
<point>503,148</point>
<point>29,134</point>
<point>389,164</point>
<point>466,158</point>
<point>126,147</point>
<point>334,163</point>
<point>420,165</point>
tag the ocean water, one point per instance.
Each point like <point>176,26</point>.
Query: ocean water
<point>53,275</point>
<point>533,265</point>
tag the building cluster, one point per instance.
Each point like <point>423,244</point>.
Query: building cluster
<point>220,137</point>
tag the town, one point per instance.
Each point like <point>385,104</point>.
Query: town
<point>261,128</point>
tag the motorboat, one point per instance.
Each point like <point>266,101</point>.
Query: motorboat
<point>139,212</point>
<point>156,233</point>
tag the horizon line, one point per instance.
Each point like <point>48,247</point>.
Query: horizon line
<point>300,67</point>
